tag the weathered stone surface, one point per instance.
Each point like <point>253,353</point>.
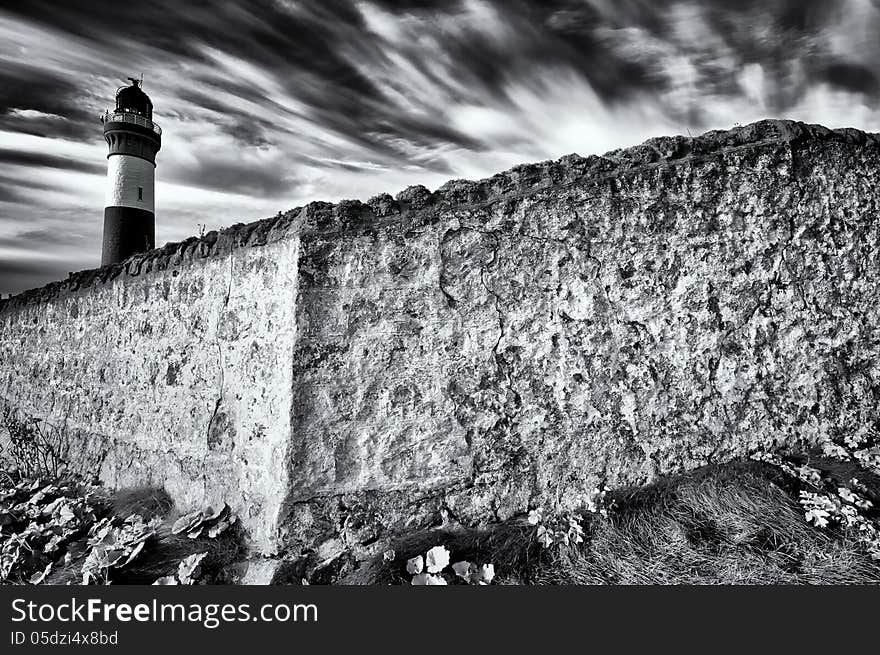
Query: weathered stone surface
<point>342,371</point>
<point>180,376</point>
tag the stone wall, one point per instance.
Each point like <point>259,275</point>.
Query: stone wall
<point>171,370</point>
<point>347,370</point>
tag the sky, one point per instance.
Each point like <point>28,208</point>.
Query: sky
<point>267,105</point>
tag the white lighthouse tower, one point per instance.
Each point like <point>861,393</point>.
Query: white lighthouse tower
<point>133,139</point>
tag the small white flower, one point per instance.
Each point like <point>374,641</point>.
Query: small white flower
<point>415,565</point>
<point>437,559</point>
<point>487,573</point>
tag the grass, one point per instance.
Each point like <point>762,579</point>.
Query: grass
<point>726,525</point>
<point>738,523</point>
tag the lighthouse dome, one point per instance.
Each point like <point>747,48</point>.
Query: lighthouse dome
<point>132,99</point>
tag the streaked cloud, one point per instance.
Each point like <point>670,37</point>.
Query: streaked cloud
<point>266,104</point>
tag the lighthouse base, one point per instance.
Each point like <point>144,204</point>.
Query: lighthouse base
<point>127,231</point>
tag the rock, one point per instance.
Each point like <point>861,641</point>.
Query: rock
<point>261,571</point>
<point>383,205</point>
<point>417,197</point>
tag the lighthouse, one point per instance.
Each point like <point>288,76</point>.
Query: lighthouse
<point>133,140</point>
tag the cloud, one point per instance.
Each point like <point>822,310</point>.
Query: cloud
<point>21,274</point>
<point>852,77</point>
<point>12,157</point>
<point>258,177</point>
<point>39,101</point>
<point>267,104</point>
<point>35,239</point>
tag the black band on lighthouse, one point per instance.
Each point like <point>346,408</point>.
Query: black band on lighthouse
<point>127,231</point>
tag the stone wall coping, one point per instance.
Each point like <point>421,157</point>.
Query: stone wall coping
<point>415,203</point>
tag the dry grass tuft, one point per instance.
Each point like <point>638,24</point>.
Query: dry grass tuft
<point>146,501</point>
<point>724,525</point>
<point>733,524</point>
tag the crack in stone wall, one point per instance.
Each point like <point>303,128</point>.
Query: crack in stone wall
<point>211,438</point>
